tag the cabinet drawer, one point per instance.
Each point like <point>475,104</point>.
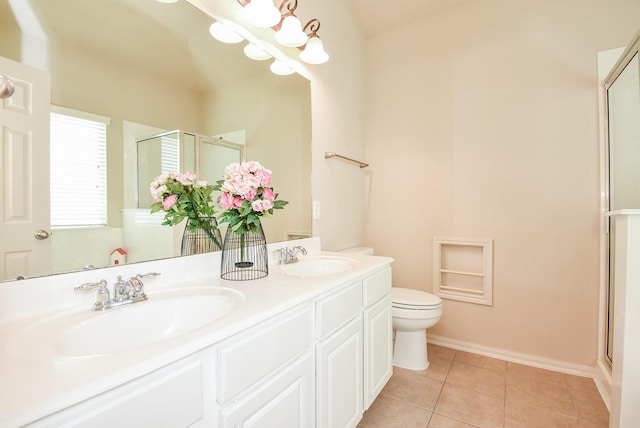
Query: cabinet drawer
<point>376,286</point>
<point>334,311</point>
<point>248,357</point>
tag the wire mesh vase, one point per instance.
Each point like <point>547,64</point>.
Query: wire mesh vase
<point>244,255</point>
<point>201,236</point>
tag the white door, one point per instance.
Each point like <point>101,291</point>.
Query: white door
<point>24,173</point>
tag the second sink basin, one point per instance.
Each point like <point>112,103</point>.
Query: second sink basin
<point>318,266</point>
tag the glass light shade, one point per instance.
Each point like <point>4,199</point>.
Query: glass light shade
<point>255,52</point>
<point>290,33</point>
<point>279,67</point>
<point>314,52</point>
<point>262,13</point>
<point>224,34</point>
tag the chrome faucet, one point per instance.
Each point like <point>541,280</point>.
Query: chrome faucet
<point>286,255</point>
<point>124,292</point>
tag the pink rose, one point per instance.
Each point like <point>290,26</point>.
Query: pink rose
<point>250,195</point>
<point>257,205</point>
<point>267,205</point>
<point>237,202</point>
<point>185,179</point>
<point>226,201</point>
<point>169,202</point>
<point>264,176</point>
<point>268,195</point>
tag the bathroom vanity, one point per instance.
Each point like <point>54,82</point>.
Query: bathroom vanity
<point>309,345</point>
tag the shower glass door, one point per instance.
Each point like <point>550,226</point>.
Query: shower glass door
<point>623,106</point>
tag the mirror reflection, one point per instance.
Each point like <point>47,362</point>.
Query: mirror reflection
<point>150,68</point>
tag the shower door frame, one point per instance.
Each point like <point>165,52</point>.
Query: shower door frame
<point>631,52</point>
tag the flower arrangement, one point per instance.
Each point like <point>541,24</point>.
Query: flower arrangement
<point>246,196</point>
<point>182,195</point>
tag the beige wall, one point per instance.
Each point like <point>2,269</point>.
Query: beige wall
<point>275,113</point>
<point>482,122</point>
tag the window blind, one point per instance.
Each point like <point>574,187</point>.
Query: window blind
<point>169,153</point>
<point>78,169</point>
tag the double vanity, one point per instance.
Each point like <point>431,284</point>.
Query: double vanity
<point>310,345</point>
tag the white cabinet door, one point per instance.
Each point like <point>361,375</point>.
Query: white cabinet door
<point>284,400</point>
<point>339,377</point>
<point>378,354</point>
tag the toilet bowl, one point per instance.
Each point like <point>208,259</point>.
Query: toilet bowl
<point>413,312</point>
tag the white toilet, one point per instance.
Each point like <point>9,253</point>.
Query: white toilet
<point>412,312</point>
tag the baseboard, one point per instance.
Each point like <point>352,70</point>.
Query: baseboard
<point>516,357</point>
<point>603,382</point>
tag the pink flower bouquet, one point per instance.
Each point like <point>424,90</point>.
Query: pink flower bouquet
<point>182,195</point>
<point>246,196</point>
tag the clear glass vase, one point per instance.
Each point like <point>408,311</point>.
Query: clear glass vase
<point>244,255</point>
<point>201,236</point>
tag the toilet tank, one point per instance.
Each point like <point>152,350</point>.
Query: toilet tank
<point>364,251</point>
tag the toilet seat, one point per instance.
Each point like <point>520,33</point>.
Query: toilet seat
<point>407,298</point>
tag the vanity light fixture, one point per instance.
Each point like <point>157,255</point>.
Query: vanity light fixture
<point>261,13</point>
<point>254,52</point>
<point>314,52</point>
<point>224,34</point>
<point>279,67</point>
<point>167,1</point>
<point>289,31</point>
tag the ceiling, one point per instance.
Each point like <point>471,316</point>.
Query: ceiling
<point>170,41</point>
<point>380,16</point>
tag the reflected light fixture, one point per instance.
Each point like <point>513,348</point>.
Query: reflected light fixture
<point>279,67</point>
<point>224,34</point>
<point>261,13</point>
<point>255,52</point>
<point>314,52</point>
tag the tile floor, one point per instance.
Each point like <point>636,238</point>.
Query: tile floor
<point>462,390</point>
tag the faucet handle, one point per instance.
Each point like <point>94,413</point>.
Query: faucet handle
<point>280,254</point>
<point>147,275</point>
<point>91,285</point>
<point>103,298</point>
<point>137,286</point>
<point>299,249</point>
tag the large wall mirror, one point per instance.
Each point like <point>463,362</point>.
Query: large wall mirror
<point>150,68</point>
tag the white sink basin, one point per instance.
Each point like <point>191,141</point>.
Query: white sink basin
<point>318,266</point>
<point>164,316</point>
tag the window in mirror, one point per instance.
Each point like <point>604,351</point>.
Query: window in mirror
<point>78,175</point>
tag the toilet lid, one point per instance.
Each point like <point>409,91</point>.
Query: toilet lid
<point>413,299</point>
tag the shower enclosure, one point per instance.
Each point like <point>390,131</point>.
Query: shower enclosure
<point>180,151</point>
<point>623,154</point>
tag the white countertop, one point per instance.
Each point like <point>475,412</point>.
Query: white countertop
<point>42,382</point>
